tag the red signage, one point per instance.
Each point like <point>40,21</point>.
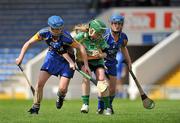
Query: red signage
<point>140,20</point>
<point>167,19</point>
<point>172,20</point>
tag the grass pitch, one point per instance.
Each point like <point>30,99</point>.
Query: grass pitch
<point>126,111</point>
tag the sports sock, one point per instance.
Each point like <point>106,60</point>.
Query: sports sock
<point>111,100</point>
<point>100,103</point>
<point>106,102</point>
<point>85,99</point>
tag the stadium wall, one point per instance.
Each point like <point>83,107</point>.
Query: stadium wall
<point>156,63</point>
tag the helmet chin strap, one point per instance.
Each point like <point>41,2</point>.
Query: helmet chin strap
<point>54,34</point>
<point>116,32</point>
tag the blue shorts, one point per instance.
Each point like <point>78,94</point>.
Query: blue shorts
<point>114,66</point>
<point>111,68</point>
<point>57,65</point>
<point>114,69</point>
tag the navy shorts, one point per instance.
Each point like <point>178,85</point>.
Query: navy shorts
<point>111,70</point>
<point>57,65</point>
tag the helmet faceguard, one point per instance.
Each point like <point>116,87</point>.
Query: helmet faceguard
<point>97,27</point>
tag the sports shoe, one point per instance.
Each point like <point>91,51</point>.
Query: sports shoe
<point>100,111</point>
<point>33,110</point>
<point>107,111</point>
<point>59,102</point>
<point>85,108</point>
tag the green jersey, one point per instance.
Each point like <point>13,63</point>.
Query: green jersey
<point>92,46</point>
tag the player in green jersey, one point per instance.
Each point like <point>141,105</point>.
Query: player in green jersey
<point>91,37</point>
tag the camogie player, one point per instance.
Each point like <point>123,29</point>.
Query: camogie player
<point>92,39</point>
<point>117,41</point>
<point>59,42</point>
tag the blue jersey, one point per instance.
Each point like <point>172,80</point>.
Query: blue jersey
<point>56,47</point>
<point>112,50</point>
<point>54,63</point>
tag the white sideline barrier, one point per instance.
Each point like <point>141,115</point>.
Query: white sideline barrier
<point>156,63</point>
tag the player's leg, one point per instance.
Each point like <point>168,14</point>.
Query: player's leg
<point>85,91</point>
<point>112,90</point>
<point>119,78</point>
<point>43,77</point>
<point>85,95</point>
<point>66,74</point>
<point>63,88</point>
<point>103,96</point>
<point>100,105</point>
<point>111,73</point>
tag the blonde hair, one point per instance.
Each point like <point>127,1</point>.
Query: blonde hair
<point>81,28</point>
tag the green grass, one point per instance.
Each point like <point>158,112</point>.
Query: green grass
<point>15,111</point>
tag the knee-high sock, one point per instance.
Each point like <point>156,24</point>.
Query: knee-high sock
<point>100,103</point>
<point>85,99</point>
<point>111,100</point>
<point>106,102</point>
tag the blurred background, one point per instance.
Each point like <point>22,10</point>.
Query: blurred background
<point>152,26</point>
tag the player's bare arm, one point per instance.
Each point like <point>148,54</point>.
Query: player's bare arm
<point>79,46</point>
<point>25,47</point>
<point>70,61</point>
<point>127,57</point>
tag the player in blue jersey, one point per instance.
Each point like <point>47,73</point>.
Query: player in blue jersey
<point>117,40</point>
<point>60,43</point>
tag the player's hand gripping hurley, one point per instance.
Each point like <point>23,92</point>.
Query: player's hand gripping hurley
<point>147,102</point>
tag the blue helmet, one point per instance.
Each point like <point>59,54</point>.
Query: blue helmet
<point>55,21</point>
<point>117,18</point>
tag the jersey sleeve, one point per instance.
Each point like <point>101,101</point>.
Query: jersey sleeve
<point>43,33</point>
<point>67,38</point>
<point>103,44</point>
<point>79,37</point>
<point>37,37</point>
<point>106,34</point>
<point>125,40</point>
